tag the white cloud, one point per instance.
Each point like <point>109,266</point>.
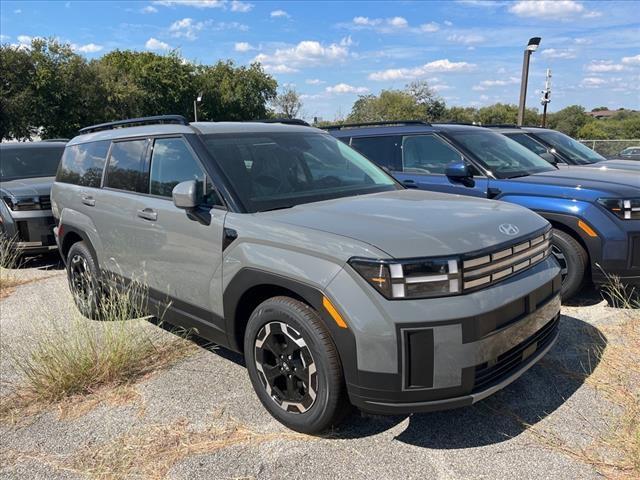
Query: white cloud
<point>631,60</point>
<point>25,39</point>
<point>439,87</point>
<point>485,84</point>
<point>346,41</point>
<point>366,21</point>
<point>88,48</point>
<point>192,3</point>
<point>558,53</point>
<point>551,9</point>
<point>4,38</point>
<point>430,27</point>
<point>468,39</point>
<point>341,88</point>
<point>155,44</point>
<point>305,53</point>
<point>484,98</point>
<point>281,68</point>
<point>243,47</point>
<point>241,7</point>
<point>398,22</point>
<point>187,28</point>
<point>604,66</point>
<point>279,14</point>
<point>443,65</point>
<point>17,11</point>
<point>590,82</point>
<point>149,9</point>
<point>448,23</point>
<point>582,41</point>
<point>314,81</point>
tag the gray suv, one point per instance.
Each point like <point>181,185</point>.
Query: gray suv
<point>27,171</point>
<point>336,283</point>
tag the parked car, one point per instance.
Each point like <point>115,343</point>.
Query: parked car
<point>27,171</point>
<point>595,214</point>
<point>336,282</point>
<point>630,153</point>
<point>558,148</point>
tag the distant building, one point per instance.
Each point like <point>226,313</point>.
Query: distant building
<point>608,113</point>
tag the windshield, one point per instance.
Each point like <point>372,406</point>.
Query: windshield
<point>575,151</point>
<point>280,170</point>
<point>23,162</point>
<point>526,141</point>
<point>505,158</point>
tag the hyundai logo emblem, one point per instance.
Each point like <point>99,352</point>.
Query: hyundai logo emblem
<point>509,229</point>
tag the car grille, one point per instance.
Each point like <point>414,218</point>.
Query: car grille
<point>490,373</point>
<point>45,202</point>
<point>485,270</point>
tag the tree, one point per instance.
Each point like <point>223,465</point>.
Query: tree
<point>502,113</point>
<point>287,103</point>
<point>16,93</point>
<point>568,120</point>
<point>460,115</point>
<point>434,106</point>
<point>389,105</point>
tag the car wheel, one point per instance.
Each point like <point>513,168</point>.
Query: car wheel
<point>294,366</point>
<point>84,282</point>
<point>573,260</point>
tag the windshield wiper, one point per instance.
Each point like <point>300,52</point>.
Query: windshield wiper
<point>284,207</point>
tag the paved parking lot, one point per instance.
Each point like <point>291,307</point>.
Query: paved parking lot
<point>209,393</point>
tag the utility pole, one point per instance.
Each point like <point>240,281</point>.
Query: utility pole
<point>532,46</point>
<point>195,107</point>
<point>546,97</point>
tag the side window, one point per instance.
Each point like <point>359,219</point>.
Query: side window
<point>385,151</point>
<point>83,164</point>
<point>171,163</point>
<point>528,142</point>
<point>126,169</point>
<point>427,154</point>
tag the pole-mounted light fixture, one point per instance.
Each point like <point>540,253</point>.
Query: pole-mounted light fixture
<point>531,47</point>
<point>195,106</point>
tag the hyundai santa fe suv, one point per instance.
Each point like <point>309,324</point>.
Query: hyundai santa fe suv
<point>336,283</point>
<point>27,171</point>
<point>595,213</point>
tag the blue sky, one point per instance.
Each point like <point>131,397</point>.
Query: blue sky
<point>469,51</point>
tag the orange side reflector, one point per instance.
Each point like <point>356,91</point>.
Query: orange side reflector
<point>333,312</point>
<point>587,229</point>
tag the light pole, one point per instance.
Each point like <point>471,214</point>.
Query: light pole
<point>195,107</point>
<point>532,46</point>
<point>546,97</point>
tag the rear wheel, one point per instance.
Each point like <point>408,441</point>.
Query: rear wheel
<point>573,260</point>
<point>84,282</point>
<point>294,366</point>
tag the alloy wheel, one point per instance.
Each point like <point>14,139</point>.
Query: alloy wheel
<point>80,281</point>
<point>286,367</point>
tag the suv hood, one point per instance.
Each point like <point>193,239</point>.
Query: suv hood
<point>415,223</point>
<point>618,183</point>
<point>617,165</point>
<point>26,187</point>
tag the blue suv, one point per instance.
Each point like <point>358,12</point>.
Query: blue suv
<point>595,214</point>
<point>558,148</point>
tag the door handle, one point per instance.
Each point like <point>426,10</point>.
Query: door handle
<point>88,200</point>
<point>410,183</point>
<point>148,214</point>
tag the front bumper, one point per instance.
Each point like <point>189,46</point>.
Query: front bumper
<point>31,231</point>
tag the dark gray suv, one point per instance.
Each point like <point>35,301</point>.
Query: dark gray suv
<point>27,172</point>
<point>338,284</point>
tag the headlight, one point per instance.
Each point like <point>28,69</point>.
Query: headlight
<point>626,209</point>
<point>419,278</point>
<point>22,203</point>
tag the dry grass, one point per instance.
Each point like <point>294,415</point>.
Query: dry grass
<point>614,450</point>
<point>149,452</point>
<point>9,260</point>
<point>77,361</point>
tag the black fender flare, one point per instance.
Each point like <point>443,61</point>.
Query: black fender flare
<point>66,230</point>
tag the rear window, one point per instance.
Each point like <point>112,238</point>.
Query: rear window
<point>83,164</point>
<point>127,168</point>
<point>24,162</point>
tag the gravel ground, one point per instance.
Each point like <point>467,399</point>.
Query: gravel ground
<point>211,388</point>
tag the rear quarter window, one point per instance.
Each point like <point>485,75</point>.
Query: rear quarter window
<point>383,150</point>
<point>83,164</point>
<point>127,169</point>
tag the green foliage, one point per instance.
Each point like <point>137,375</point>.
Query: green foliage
<point>49,90</point>
<point>287,103</point>
<point>569,120</point>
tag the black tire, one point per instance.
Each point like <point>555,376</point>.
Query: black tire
<point>84,280</point>
<point>573,260</point>
<point>302,324</point>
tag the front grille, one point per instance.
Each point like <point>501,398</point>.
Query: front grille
<point>485,270</point>
<point>489,373</point>
<point>635,252</point>
<point>45,202</point>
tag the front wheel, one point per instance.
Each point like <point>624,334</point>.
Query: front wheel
<point>573,260</point>
<point>294,366</point>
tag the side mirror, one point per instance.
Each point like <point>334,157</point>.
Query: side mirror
<point>459,172</point>
<point>185,194</point>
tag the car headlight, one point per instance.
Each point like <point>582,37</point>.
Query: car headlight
<point>626,209</point>
<point>22,203</point>
<point>416,278</point>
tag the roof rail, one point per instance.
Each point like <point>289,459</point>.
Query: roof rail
<point>65,140</point>
<point>376,124</point>
<point>500,125</point>
<point>158,119</point>
<point>286,121</point>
